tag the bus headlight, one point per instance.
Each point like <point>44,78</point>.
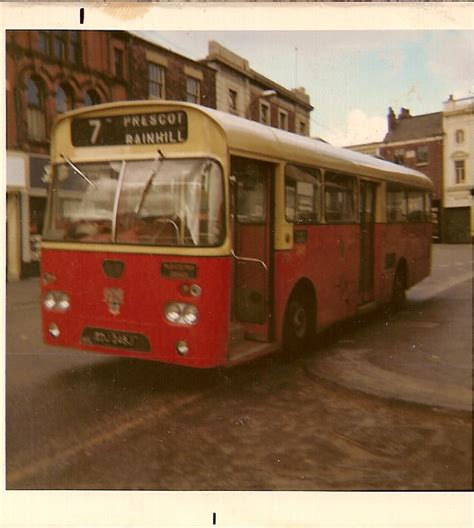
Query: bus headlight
<point>63,303</point>
<point>181,313</point>
<point>56,301</point>
<point>190,314</point>
<point>173,312</point>
<point>49,301</point>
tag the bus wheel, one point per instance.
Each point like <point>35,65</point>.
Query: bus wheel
<point>298,325</point>
<point>399,289</point>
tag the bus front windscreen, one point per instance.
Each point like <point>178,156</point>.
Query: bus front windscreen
<point>161,202</point>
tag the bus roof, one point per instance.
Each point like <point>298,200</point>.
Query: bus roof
<point>249,137</point>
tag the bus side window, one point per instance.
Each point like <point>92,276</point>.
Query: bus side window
<point>339,197</point>
<point>415,206</point>
<point>302,194</point>
<point>396,204</point>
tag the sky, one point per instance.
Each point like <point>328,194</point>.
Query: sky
<point>352,77</point>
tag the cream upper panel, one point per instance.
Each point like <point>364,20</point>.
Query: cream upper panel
<point>198,134</point>
<point>248,136</point>
<point>210,129</point>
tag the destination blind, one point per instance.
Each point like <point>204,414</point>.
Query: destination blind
<point>155,128</point>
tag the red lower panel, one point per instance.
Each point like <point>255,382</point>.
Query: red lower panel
<point>142,292</point>
<point>329,257</point>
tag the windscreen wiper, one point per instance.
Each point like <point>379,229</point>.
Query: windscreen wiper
<point>78,170</point>
<point>158,162</point>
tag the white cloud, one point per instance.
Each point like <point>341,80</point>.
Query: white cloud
<point>452,61</point>
<point>359,128</point>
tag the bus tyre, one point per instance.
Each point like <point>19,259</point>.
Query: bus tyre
<point>297,329</point>
<point>399,290</point>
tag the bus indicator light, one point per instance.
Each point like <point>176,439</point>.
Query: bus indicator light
<point>182,348</point>
<point>185,289</point>
<point>54,330</point>
<point>195,290</point>
<point>48,278</point>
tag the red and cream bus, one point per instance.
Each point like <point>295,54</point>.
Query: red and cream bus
<point>185,235</point>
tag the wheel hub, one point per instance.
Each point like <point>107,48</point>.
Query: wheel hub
<point>300,322</point>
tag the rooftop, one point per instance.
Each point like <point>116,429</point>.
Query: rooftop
<point>408,127</point>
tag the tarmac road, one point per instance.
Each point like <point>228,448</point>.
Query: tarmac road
<point>382,404</point>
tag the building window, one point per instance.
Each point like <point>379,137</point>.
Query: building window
<point>399,157</point>
<point>59,44</point>
<point>118,61</point>
<point>91,98</point>
<point>44,42</point>
<point>282,120</point>
<point>63,100</point>
<point>64,45</point>
<point>193,91</point>
<point>232,101</point>
<point>264,113</point>
<point>302,128</point>
<point>35,110</point>
<point>422,155</point>
<point>74,50</point>
<point>459,136</point>
<point>156,81</point>
<point>460,171</point>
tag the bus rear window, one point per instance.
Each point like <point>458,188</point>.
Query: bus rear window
<point>415,206</point>
<point>428,207</point>
<point>396,204</point>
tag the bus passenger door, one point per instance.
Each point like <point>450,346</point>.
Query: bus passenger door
<point>367,249</point>
<point>252,223</point>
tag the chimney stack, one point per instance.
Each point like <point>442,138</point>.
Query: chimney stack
<point>404,113</point>
<point>392,119</point>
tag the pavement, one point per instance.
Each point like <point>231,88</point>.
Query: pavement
<point>423,354</point>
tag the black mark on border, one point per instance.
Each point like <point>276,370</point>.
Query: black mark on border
<point>81,15</point>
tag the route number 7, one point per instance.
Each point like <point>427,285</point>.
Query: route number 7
<point>96,124</point>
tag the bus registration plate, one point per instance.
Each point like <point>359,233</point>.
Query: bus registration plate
<point>115,339</point>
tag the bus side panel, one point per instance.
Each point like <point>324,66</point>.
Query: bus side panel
<point>329,256</point>
<point>142,292</point>
<point>394,242</point>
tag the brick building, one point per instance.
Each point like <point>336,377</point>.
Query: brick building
<point>417,142</point>
<point>49,72</point>
<point>245,92</point>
